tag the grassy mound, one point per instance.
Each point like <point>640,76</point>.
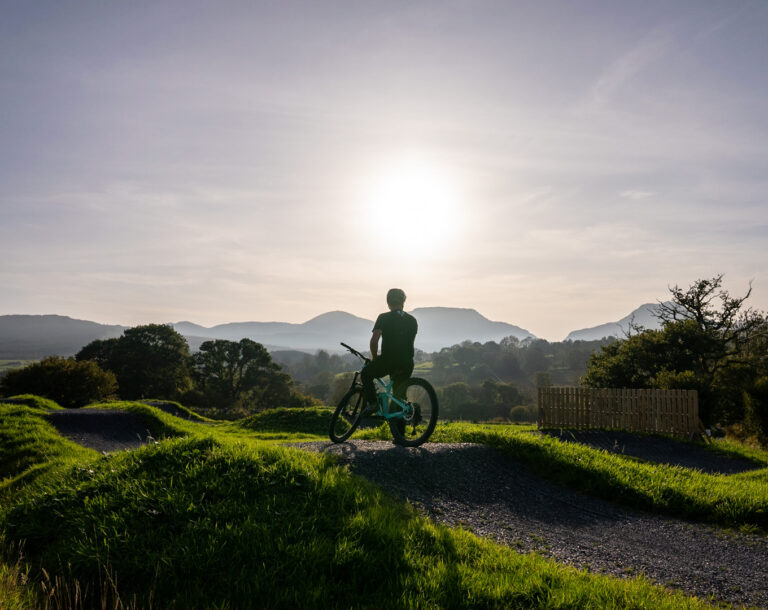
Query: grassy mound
<point>31,400</point>
<point>157,420</point>
<point>305,420</point>
<point>211,523</point>
<point>31,447</point>
<point>33,451</point>
<point>176,409</point>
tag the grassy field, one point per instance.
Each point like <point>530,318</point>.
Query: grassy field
<point>222,516</point>
<point>9,365</point>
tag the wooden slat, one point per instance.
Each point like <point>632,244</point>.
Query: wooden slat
<point>640,410</point>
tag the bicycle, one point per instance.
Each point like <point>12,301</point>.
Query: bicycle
<point>411,425</point>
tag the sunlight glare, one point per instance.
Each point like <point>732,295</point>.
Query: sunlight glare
<point>417,204</point>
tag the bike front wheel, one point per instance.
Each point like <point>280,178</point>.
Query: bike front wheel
<point>419,416</point>
<point>346,417</point>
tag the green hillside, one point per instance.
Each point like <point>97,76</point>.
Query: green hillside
<point>216,517</point>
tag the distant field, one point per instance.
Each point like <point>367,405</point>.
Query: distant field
<point>9,365</point>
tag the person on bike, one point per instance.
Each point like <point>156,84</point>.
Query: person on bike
<point>397,331</point>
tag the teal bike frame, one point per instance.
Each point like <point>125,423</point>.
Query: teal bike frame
<point>385,397</point>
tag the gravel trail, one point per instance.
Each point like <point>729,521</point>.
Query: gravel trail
<point>104,430</point>
<point>480,489</point>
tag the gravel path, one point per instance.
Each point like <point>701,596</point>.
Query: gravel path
<point>105,430</point>
<point>480,489</point>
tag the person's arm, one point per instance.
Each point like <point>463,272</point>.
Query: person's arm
<point>375,343</point>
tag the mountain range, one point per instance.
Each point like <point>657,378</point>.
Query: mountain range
<point>33,336</point>
<point>644,316</point>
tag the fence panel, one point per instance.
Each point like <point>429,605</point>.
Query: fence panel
<point>654,411</point>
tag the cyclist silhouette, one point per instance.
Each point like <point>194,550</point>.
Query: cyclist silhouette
<point>397,331</point>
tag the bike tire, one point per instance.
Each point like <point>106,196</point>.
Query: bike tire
<point>418,425</point>
<point>346,417</point>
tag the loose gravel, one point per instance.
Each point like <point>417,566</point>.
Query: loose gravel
<point>104,430</point>
<point>478,488</point>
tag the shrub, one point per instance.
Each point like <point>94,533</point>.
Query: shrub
<point>756,410</point>
<point>523,413</point>
<point>64,380</point>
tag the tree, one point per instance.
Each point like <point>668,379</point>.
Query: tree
<point>150,360</point>
<point>456,401</point>
<point>714,350</point>
<point>241,373</point>
<point>68,382</point>
<point>100,351</point>
<point>723,332</point>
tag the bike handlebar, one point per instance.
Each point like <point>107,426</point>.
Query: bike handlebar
<point>356,353</point>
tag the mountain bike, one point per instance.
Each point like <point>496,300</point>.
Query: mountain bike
<point>412,415</point>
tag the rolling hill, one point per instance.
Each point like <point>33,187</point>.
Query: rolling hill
<point>33,337</point>
<point>643,316</point>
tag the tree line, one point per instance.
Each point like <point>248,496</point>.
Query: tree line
<point>154,361</point>
<point>474,381</point>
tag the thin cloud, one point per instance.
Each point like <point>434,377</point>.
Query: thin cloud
<point>637,195</point>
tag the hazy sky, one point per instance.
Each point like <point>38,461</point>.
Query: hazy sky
<point>552,164</point>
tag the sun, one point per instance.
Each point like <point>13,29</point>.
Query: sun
<point>413,206</point>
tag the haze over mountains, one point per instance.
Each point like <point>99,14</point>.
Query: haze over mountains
<point>33,337</point>
<point>644,316</point>
<point>438,327</point>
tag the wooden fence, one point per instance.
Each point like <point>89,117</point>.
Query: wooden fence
<point>654,411</point>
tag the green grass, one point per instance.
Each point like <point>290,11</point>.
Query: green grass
<point>14,592</point>
<point>160,423</point>
<point>31,400</point>
<point>208,522</point>
<point>176,409</point>
<point>31,448</point>
<point>310,422</point>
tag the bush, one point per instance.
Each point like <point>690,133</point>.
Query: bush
<point>756,410</point>
<point>523,413</point>
<point>64,380</point>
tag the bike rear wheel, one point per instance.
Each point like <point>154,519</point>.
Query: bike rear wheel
<point>346,417</point>
<point>419,417</point>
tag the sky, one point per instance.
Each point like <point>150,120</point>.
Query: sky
<point>553,164</point>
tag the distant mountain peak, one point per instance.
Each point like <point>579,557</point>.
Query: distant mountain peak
<point>644,316</point>
<point>333,316</point>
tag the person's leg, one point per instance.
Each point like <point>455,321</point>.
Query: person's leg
<point>400,375</point>
<point>372,370</point>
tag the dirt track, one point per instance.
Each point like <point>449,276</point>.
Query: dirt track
<point>101,429</point>
<point>480,489</point>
